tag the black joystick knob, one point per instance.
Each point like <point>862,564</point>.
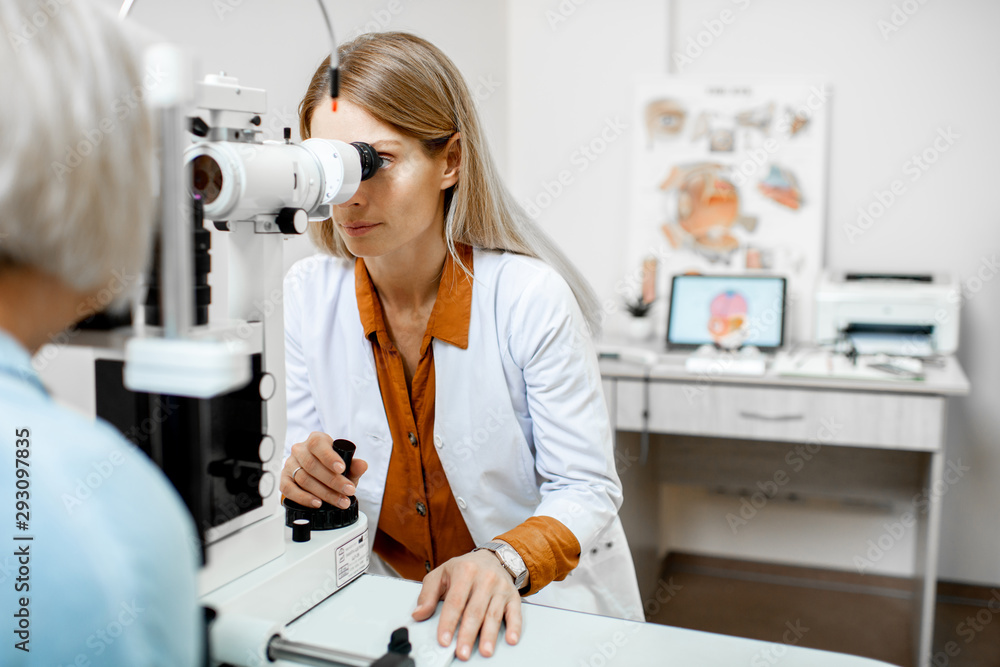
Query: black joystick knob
<point>345,450</point>
<point>327,516</point>
<point>399,642</point>
<point>370,160</point>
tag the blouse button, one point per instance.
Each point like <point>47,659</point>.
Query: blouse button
<point>421,509</point>
<point>438,442</point>
<point>461,503</point>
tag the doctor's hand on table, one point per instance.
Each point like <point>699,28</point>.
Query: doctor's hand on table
<point>478,594</point>
<point>315,472</point>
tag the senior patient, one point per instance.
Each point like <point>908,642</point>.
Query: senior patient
<point>99,556</point>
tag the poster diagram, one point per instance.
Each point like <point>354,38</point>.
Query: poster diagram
<point>731,178</point>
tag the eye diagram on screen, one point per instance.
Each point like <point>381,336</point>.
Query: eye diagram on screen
<point>727,311</point>
<point>728,314</point>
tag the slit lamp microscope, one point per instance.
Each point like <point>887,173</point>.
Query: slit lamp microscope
<point>206,400</point>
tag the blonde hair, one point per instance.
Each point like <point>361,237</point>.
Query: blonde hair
<point>76,159</point>
<point>408,83</point>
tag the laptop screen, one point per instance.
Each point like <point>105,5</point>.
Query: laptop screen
<point>727,310</point>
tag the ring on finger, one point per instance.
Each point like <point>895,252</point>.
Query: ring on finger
<point>293,475</point>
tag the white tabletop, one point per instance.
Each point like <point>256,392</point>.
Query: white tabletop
<point>948,379</point>
<point>360,617</point>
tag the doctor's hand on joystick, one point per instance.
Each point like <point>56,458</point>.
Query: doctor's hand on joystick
<point>315,473</point>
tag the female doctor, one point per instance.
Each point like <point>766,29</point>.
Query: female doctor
<point>448,338</point>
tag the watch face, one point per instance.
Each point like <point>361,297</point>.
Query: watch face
<point>512,559</point>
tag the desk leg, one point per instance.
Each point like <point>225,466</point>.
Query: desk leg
<point>928,539</point>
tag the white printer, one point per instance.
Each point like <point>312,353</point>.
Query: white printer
<point>900,314</point>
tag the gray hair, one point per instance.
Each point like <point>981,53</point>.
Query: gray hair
<point>76,146</point>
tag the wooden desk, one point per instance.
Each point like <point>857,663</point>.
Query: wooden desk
<point>904,418</point>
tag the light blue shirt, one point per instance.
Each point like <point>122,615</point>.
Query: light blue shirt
<point>112,566</point>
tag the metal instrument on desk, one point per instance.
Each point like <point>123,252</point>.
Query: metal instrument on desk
<point>914,315</point>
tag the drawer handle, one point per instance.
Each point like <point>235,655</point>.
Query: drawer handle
<point>771,418</point>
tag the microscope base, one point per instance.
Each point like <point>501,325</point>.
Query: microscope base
<point>258,605</point>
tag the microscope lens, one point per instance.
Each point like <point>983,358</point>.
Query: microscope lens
<point>206,178</point>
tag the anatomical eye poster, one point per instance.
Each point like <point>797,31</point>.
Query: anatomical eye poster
<point>731,178</point>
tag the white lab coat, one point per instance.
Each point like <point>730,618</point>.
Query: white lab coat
<point>521,426</point>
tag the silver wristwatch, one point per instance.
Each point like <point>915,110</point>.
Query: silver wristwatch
<point>510,560</point>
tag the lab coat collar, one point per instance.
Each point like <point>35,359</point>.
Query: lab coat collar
<point>449,320</point>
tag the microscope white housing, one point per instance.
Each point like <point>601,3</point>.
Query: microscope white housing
<point>244,179</point>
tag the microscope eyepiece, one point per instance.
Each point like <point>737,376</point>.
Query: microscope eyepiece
<point>320,173</point>
<point>370,160</point>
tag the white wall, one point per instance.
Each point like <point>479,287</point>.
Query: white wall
<point>571,68</point>
<point>892,95</point>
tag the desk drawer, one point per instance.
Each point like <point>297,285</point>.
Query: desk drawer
<point>864,419</point>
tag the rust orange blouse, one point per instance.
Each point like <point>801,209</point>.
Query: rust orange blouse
<point>420,526</point>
